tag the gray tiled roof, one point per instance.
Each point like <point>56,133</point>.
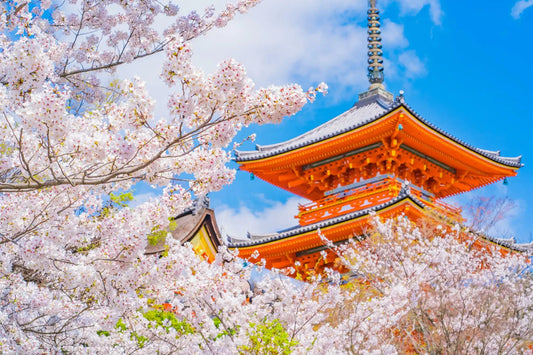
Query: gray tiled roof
<point>363,112</point>
<point>509,243</point>
<point>258,239</point>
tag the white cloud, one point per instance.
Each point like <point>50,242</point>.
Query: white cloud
<point>238,222</point>
<point>400,62</point>
<point>279,42</point>
<point>414,67</point>
<point>415,6</point>
<point>300,40</point>
<point>141,198</point>
<point>393,35</point>
<point>519,7</point>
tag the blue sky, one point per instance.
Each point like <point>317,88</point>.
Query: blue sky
<point>464,66</point>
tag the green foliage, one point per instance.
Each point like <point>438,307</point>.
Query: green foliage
<point>140,339</point>
<point>122,199</point>
<point>5,150</point>
<point>156,237</point>
<point>121,327</point>
<point>116,201</point>
<point>164,253</point>
<point>89,246</point>
<point>168,320</point>
<point>172,225</point>
<point>268,338</point>
<point>230,331</point>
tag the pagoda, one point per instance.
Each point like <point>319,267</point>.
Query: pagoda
<point>379,157</point>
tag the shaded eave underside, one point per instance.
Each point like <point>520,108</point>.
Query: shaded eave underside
<point>362,115</point>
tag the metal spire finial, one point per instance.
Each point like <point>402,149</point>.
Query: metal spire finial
<point>375,59</point>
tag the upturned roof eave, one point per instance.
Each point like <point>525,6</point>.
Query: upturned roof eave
<point>269,151</point>
<point>404,196</point>
<point>274,237</point>
<point>513,162</point>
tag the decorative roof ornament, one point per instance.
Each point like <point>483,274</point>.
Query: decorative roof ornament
<point>375,54</point>
<point>375,59</point>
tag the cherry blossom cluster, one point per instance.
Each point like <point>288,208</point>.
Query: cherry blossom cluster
<point>430,289</point>
<point>72,136</point>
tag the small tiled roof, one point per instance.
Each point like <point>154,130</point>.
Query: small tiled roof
<point>188,223</point>
<point>362,113</point>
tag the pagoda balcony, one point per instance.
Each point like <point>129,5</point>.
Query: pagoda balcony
<point>367,196</point>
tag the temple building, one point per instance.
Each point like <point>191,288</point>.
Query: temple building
<point>196,225</point>
<point>379,157</point>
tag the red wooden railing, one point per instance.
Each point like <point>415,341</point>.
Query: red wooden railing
<point>366,196</point>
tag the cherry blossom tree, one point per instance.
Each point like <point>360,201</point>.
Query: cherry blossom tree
<point>74,277</point>
<point>484,213</point>
<point>429,290</point>
<point>73,273</point>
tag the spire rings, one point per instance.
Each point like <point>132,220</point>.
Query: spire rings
<point>375,59</point>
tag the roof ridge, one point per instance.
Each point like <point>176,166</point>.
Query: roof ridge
<point>315,135</point>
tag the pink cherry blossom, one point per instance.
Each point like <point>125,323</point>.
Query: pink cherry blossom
<point>74,274</point>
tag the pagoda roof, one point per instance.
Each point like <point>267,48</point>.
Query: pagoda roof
<point>362,113</point>
<point>405,196</point>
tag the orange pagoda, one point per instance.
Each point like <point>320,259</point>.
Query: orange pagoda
<point>378,157</point>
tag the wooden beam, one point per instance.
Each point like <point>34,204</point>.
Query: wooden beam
<point>298,182</point>
<point>286,177</point>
